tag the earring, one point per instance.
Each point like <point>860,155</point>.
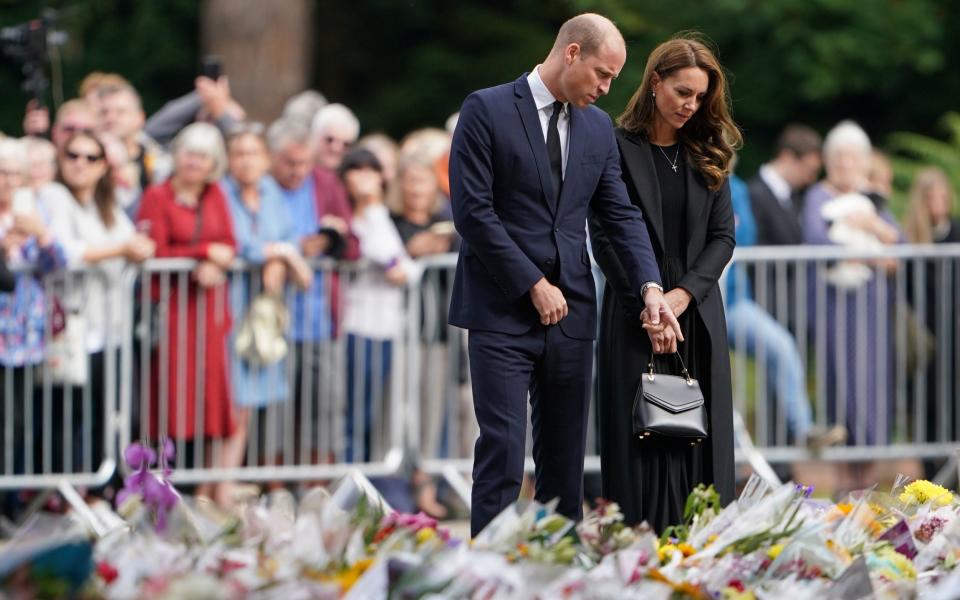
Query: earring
<point>653,94</point>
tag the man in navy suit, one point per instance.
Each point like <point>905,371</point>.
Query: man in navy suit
<point>528,159</point>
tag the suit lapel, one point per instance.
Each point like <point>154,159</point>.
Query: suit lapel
<point>575,143</point>
<point>636,156</point>
<point>531,125</point>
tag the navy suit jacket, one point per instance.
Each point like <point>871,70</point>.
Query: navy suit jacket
<point>514,231</point>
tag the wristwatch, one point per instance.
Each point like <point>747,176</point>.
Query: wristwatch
<point>647,286</point>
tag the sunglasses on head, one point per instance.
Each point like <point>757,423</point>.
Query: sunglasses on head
<point>90,158</point>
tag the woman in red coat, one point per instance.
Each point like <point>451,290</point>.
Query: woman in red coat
<point>187,217</point>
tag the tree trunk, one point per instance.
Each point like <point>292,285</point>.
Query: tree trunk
<point>266,49</point>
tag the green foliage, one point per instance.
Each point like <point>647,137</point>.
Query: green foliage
<point>913,152</point>
<point>702,504</point>
<point>153,44</point>
<point>889,64</point>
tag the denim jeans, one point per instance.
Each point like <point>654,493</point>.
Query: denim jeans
<point>750,325</point>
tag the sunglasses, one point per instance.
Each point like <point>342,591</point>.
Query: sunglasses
<point>90,158</point>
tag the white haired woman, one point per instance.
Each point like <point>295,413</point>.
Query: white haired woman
<point>858,340</point>
<point>188,217</point>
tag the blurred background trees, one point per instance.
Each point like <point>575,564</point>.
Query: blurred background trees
<point>889,64</point>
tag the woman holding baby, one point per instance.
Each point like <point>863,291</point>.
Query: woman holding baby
<point>851,301</point>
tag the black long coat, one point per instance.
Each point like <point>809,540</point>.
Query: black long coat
<point>656,492</point>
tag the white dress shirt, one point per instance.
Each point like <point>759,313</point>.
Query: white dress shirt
<point>778,185</point>
<point>544,101</point>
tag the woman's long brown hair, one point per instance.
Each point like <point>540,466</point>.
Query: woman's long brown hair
<point>710,137</point>
<point>104,195</point>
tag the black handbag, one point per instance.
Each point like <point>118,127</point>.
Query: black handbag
<point>670,406</point>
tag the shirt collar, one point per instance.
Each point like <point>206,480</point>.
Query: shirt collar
<point>777,184</point>
<point>541,95</point>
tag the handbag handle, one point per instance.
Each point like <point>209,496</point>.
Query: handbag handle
<point>686,374</point>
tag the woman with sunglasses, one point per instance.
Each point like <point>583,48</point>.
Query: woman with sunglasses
<point>98,237</point>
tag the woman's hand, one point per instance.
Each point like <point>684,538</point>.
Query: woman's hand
<point>209,274</point>
<point>397,275</point>
<point>220,254</point>
<point>679,299</point>
<point>139,248</point>
<point>427,242</point>
<point>663,342</point>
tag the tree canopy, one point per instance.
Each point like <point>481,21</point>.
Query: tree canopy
<point>889,64</point>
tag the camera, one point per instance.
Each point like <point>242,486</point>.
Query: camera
<point>29,44</point>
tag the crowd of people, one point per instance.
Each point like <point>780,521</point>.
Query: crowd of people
<point>871,316</point>
<point>102,186</point>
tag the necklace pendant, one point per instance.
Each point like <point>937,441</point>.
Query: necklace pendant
<point>674,167</point>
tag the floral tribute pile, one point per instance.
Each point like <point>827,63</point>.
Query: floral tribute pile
<point>771,541</point>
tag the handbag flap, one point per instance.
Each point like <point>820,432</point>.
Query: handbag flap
<point>672,393</point>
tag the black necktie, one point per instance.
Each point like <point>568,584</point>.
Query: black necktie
<point>553,149</point>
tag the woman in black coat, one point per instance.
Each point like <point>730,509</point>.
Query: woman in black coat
<point>676,140</point>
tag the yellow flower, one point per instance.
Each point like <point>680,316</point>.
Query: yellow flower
<point>665,552</point>
<point>923,491</point>
<point>426,534</point>
<point>774,551</point>
<point>348,577</point>
<point>687,549</point>
<point>732,594</point>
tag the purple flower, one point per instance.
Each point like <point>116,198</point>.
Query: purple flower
<point>139,456</point>
<point>157,493</point>
<point>166,456</point>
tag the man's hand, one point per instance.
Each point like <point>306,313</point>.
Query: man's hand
<point>549,302</point>
<point>660,322</point>
<point>214,95</point>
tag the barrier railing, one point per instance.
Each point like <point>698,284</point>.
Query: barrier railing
<point>331,404</point>
<point>865,339</point>
<point>58,380</point>
<point>869,340</point>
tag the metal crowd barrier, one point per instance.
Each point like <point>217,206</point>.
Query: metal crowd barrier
<point>58,412</point>
<point>874,334</point>
<point>331,405</point>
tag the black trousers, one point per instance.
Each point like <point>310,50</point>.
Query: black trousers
<point>554,371</point>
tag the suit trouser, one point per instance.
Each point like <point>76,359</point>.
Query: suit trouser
<point>555,371</point>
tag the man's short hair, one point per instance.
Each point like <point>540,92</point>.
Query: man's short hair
<point>74,105</point>
<point>799,140</point>
<point>98,79</point>
<point>288,130</point>
<point>111,89</point>
<point>589,30</point>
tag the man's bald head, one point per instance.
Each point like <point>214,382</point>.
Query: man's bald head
<point>587,56</point>
<point>589,31</point>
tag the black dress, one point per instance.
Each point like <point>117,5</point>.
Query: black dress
<point>651,479</point>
